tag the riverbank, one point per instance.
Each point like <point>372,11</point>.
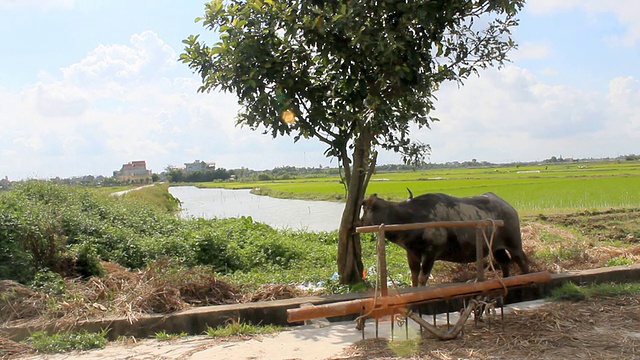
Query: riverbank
<point>531,189</point>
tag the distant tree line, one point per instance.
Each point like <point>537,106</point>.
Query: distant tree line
<point>289,172</point>
<point>178,175</point>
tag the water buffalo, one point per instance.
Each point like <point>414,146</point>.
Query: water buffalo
<point>425,246</point>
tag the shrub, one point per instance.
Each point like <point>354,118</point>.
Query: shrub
<point>48,282</point>
<point>87,261</point>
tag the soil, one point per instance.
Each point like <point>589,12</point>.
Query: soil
<point>602,328</point>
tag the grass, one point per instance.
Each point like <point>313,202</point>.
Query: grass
<point>237,328</point>
<point>163,335</point>
<point>531,189</point>
<point>572,292</point>
<point>619,261</point>
<point>67,341</point>
<point>157,196</point>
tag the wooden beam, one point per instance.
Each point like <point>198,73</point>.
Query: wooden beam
<point>386,304</point>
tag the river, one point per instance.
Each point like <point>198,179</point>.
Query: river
<point>278,213</point>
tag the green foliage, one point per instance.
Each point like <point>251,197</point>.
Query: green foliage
<point>613,289</point>
<point>385,56</point>
<point>78,229</point>
<point>355,75</point>
<point>556,189</point>
<point>87,261</point>
<point>15,263</point>
<point>404,348</point>
<point>68,229</point>
<point>177,175</point>
<point>155,196</point>
<point>48,282</point>
<point>67,341</point>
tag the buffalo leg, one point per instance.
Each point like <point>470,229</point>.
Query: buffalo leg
<point>521,259</point>
<point>425,270</point>
<point>414,266</point>
<point>503,259</point>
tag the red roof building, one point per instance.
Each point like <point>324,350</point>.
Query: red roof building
<point>133,170</point>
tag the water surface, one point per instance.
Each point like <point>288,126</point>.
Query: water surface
<point>278,213</point>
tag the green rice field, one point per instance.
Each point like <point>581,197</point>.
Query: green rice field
<point>532,189</point>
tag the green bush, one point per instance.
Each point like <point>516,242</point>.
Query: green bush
<point>87,261</point>
<point>15,262</point>
<point>48,282</point>
<point>70,230</point>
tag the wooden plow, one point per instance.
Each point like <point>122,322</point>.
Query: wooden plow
<point>400,304</point>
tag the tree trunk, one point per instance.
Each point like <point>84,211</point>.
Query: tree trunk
<point>350,265</point>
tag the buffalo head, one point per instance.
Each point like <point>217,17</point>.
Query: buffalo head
<point>369,210</point>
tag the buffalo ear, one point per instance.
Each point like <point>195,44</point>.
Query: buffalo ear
<point>369,202</point>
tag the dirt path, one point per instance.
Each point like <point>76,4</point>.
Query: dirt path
<point>602,328</point>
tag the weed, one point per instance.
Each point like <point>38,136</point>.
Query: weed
<point>618,261</point>
<point>163,335</point>
<point>67,341</point>
<point>560,253</point>
<point>405,348</point>
<point>237,328</point>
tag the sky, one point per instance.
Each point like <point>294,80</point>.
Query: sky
<point>89,85</point>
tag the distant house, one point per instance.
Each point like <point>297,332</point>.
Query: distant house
<point>5,183</point>
<point>132,170</point>
<point>199,166</point>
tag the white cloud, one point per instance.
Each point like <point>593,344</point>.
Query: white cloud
<point>624,98</point>
<point>115,67</point>
<point>510,115</point>
<point>122,103</point>
<point>115,105</point>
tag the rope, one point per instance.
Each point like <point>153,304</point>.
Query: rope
<point>360,319</point>
<point>489,243</point>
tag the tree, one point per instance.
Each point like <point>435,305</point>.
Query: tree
<point>354,74</point>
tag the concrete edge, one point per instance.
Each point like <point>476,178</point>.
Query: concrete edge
<point>195,321</point>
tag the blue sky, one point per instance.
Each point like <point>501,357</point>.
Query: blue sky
<point>87,85</point>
